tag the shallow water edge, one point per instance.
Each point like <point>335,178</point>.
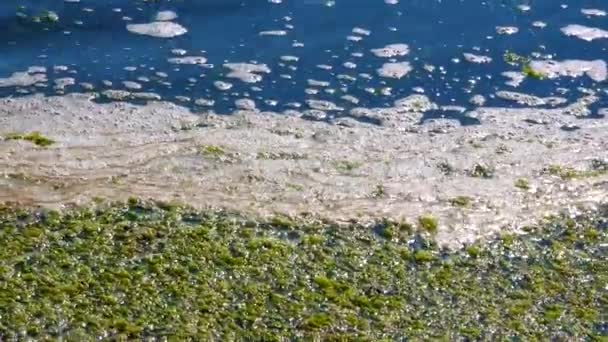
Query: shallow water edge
<point>515,167</point>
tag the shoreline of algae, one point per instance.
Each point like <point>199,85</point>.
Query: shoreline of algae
<point>139,270</point>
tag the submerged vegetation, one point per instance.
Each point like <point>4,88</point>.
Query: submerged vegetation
<point>482,171</point>
<point>35,137</point>
<point>137,271</point>
<point>514,59</point>
<point>45,16</point>
<point>522,184</point>
<point>461,201</point>
<point>598,168</point>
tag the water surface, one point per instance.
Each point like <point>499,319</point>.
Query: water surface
<point>90,43</point>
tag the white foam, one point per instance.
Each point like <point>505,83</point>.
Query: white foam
<point>165,16</point>
<point>158,29</point>
<point>349,65</point>
<point>350,99</point>
<point>290,58</point>
<point>477,100</point>
<point>194,60</point>
<point>593,12</point>
<point>179,52</point>
<point>246,72</point>
<point>415,103</point>
<point>394,70</point>
<point>245,104</point>
<point>61,83</point>
<point>323,105</point>
<point>506,30</point>
<point>472,58</point>
<point>392,50</point>
<point>222,86</point>
<point>317,83</point>
<point>530,100</point>
<point>539,24</point>
<point>24,79</point>
<point>146,96</point>
<point>131,85</point>
<point>596,70</point>
<point>361,31</point>
<point>273,33</point>
<point>584,32</point>
<point>516,78</point>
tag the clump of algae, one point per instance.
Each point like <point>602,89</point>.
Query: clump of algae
<point>34,137</point>
<point>146,271</point>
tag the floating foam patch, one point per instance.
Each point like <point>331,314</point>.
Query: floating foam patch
<point>158,29</point>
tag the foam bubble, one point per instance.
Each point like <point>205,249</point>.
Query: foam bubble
<point>62,83</point>
<point>317,83</point>
<point>584,32</point>
<point>24,79</point>
<point>290,58</point>
<point>223,86</point>
<point>516,78</point>
<point>165,16</point>
<point>349,65</point>
<point>477,100</point>
<point>117,95</point>
<point>323,105</point>
<point>350,99</point>
<point>158,29</point>
<point>530,100</point>
<point>392,50</point>
<point>146,96</point>
<point>415,103</point>
<point>179,52</point>
<point>394,70</point>
<point>593,12</point>
<point>539,24</point>
<point>361,31</point>
<point>245,104</point>
<point>131,85</point>
<point>596,70</point>
<point>506,30</point>
<point>246,72</point>
<point>273,33</point>
<point>87,86</point>
<point>472,58</point>
<point>194,60</point>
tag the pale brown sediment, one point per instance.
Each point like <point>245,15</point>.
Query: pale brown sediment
<point>266,163</point>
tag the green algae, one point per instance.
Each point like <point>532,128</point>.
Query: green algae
<point>522,183</point>
<point>428,223</point>
<point>461,201</point>
<point>346,166</point>
<point>212,151</point>
<point>379,191</point>
<point>34,137</point>
<point>482,171</point>
<point>445,168</point>
<point>531,73</point>
<point>142,271</point>
<point>569,173</point>
<point>513,58</point>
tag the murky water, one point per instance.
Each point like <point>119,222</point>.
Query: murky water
<point>303,50</point>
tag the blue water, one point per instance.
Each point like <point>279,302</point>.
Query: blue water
<point>228,30</point>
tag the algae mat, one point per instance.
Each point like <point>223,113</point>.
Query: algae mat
<point>149,272</point>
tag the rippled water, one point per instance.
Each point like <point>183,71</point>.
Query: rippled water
<point>90,43</point>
